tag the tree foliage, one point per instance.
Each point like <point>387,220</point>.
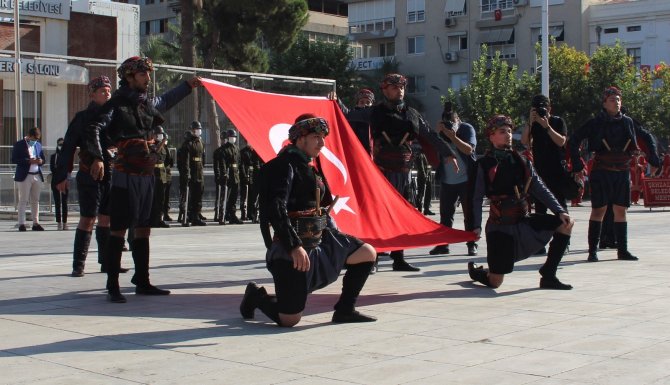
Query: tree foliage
<point>317,59</point>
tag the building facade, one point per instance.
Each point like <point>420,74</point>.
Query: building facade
<point>436,42</point>
<point>642,27</point>
<point>53,88</point>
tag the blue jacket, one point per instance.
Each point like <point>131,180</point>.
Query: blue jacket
<point>21,157</point>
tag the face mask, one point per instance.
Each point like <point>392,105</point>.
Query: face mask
<point>32,142</point>
<point>232,140</point>
<point>197,132</point>
<point>159,137</point>
<point>59,146</point>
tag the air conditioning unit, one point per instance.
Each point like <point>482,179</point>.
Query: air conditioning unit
<point>450,22</point>
<point>519,3</point>
<point>451,56</point>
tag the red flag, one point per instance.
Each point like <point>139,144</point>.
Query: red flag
<point>368,207</point>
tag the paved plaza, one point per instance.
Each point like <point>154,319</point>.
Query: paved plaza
<point>435,326</point>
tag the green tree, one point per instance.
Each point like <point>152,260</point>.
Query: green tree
<point>238,34</point>
<point>317,59</point>
<point>568,75</point>
<point>493,89</point>
<point>609,66</point>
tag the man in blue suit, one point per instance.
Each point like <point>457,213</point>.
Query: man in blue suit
<point>28,156</point>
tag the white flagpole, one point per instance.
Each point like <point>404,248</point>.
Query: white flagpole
<point>18,100</point>
<point>545,48</point>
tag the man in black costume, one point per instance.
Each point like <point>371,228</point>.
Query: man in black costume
<point>93,194</point>
<point>394,127</point>
<point>307,252</point>
<point>612,135</point>
<point>127,121</point>
<point>506,178</point>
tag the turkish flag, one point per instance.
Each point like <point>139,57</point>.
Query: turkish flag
<point>369,207</point>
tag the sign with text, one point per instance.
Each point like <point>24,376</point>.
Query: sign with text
<point>366,64</point>
<point>54,70</point>
<point>656,192</point>
<point>52,9</point>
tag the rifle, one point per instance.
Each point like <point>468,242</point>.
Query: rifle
<point>216,202</point>
<point>186,202</point>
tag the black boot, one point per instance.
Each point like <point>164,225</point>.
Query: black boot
<point>268,305</point>
<point>478,274</point>
<point>143,286</point>
<point>82,240</point>
<point>594,237</point>
<point>101,236</point>
<point>399,263</point>
<point>621,231</point>
<point>114,250</point>
<point>352,283</point>
<point>252,295</point>
<point>557,247</point>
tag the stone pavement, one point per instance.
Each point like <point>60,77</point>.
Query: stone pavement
<point>435,326</point>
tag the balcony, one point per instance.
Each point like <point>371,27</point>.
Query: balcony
<point>372,29</point>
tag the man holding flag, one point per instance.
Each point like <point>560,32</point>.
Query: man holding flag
<point>307,252</point>
<point>394,127</point>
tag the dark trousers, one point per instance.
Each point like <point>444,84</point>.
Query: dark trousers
<point>252,202</point>
<point>450,194</point>
<point>60,204</point>
<point>157,205</point>
<point>424,192</point>
<point>166,198</point>
<point>231,205</point>
<point>196,188</point>
<point>555,188</point>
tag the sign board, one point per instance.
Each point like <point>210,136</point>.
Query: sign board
<point>51,9</point>
<point>656,192</point>
<point>366,64</point>
<point>53,70</point>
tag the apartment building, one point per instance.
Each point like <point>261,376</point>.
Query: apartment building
<point>327,19</point>
<point>641,26</point>
<point>436,41</point>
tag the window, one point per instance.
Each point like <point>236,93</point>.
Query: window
<point>456,8</point>
<point>416,11</point>
<point>634,28</point>
<point>163,25</point>
<point>145,28</point>
<point>387,49</point>
<point>611,30</point>
<point>358,51</point>
<point>415,45</point>
<point>636,54</point>
<point>458,80</point>
<point>149,2</point>
<point>32,114</point>
<point>492,5</point>
<point>458,43</point>
<point>416,84</point>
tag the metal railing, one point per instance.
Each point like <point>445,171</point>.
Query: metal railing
<point>197,106</point>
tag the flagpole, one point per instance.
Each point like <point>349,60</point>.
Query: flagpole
<point>545,48</point>
<point>18,100</point>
